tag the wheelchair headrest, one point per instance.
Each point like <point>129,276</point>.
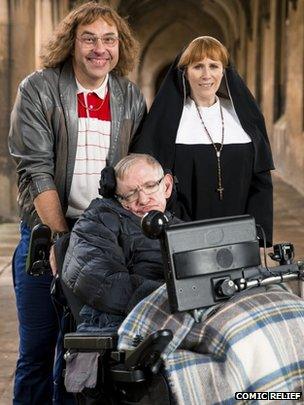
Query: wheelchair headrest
<point>107,182</point>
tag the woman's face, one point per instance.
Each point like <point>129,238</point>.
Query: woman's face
<point>205,78</point>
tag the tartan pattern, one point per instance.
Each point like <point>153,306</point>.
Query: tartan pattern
<point>253,342</point>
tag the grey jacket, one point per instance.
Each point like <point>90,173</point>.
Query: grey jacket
<point>44,130</point>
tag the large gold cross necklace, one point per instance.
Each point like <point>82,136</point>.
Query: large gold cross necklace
<point>218,150</point>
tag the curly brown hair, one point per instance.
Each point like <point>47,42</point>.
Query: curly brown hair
<point>61,46</point>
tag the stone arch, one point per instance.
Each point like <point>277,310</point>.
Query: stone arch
<point>237,26</point>
<point>157,54</point>
<point>164,29</point>
<point>159,77</point>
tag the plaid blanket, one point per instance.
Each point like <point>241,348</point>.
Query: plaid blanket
<point>253,342</point>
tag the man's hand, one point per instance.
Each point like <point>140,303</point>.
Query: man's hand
<point>48,208</point>
<point>52,260</point>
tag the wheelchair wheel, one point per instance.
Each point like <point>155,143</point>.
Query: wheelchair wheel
<point>95,397</point>
<point>150,392</point>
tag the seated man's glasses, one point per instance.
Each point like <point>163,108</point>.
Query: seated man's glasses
<point>148,188</point>
<point>90,40</point>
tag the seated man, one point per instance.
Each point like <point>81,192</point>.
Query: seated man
<point>250,343</point>
<point>110,265</point>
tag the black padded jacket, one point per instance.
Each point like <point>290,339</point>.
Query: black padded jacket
<point>109,261</point>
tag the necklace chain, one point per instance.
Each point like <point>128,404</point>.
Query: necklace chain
<point>92,109</point>
<point>218,150</point>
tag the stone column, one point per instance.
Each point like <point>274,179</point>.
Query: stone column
<point>21,63</point>
<point>295,73</point>
<point>295,96</point>
<point>252,48</point>
<point>6,167</point>
<point>22,19</point>
<point>24,26</point>
<point>48,15</point>
<point>268,65</point>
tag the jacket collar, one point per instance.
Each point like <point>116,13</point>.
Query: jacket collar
<point>117,113</point>
<point>67,91</point>
<point>101,91</point>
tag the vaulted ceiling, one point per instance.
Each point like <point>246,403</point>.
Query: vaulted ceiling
<point>164,27</point>
<point>233,16</point>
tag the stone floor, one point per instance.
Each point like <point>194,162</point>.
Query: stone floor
<point>8,319</point>
<point>289,226</point>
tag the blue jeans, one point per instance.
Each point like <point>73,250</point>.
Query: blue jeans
<point>38,331</point>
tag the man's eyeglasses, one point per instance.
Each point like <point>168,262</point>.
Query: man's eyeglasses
<point>148,188</point>
<point>90,40</point>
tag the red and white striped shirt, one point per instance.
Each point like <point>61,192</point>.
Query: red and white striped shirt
<point>94,130</point>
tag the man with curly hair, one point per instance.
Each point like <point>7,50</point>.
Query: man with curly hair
<point>70,119</point>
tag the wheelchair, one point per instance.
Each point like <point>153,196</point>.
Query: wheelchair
<point>206,263</point>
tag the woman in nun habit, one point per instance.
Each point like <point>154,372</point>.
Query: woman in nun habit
<point>206,127</point>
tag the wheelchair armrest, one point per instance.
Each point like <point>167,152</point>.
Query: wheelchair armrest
<point>90,341</point>
<point>145,358</point>
<point>148,352</point>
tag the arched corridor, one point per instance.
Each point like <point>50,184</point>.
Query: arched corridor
<point>265,39</point>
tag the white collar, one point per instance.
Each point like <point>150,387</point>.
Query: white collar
<point>101,91</point>
<point>213,107</point>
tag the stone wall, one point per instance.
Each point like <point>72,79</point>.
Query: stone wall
<point>275,75</point>
<point>24,26</point>
<point>7,200</point>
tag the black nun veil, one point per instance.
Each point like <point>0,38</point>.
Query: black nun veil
<point>158,133</point>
